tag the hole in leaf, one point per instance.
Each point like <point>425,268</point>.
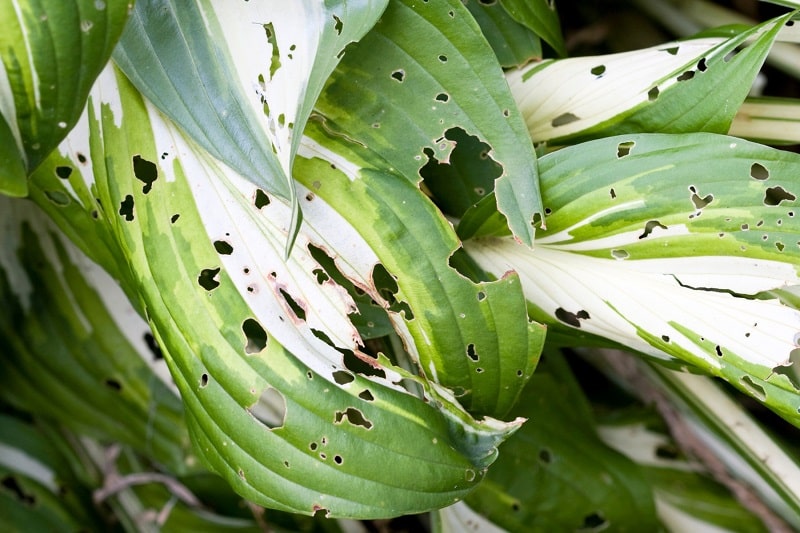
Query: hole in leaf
<point>357,365</point>
<point>573,319</point>
<point>275,62</point>
<point>10,483</point>
<point>154,348</point>
<point>387,287</point>
<point>624,148</point>
<point>223,247</point>
<point>61,199</point>
<point>650,226</point>
<point>296,308</point>
<point>673,50</point>
<point>203,380</point>
<point>652,94</point>
<point>442,97</point>
<point>689,74</point>
<point>353,416</point>
<point>471,352</point>
<point>702,66</point>
<point>667,451</point>
<point>700,203</point>
<point>126,208</point>
<point>564,119</point>
<point>612,193</point>
<point>261,200</point>
<point>255,335</point>
<point>754,388</point>
<point>174,218</point>
<point>337,25</point>
<point>338,459</point>
<point>63,172</point>
<point>343,378</point>
<point>776,195</point>
<point>443,58</point>
<point>209,278</point>
<point>270,409</point>
<point>399,75</point>
<point>366,395</point>
<point>545,456</point>
<point>598,70</point>
<point>145,171</point>
<point>619,254</point>
<point>469,162</point>
<point>594,521</point>
<point>113,384</point>
<point>759,172</point>
<point>665,338</point>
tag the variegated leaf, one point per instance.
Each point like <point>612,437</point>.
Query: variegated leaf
<point>472,337</point>
<point>280,398</point>
<point>242,77</point>
<point>422,77</point>
<point>75,351</point>
<point>685,86</point>
<point>652,247</point>
<point>51,52</point>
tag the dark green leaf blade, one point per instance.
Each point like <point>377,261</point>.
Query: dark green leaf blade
<point>425,71</point>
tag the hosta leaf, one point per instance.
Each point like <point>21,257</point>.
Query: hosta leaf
<point>472,337</point>
<point>558,457</point>
<point>693,85</point>
<point>421,77</point>
<point>711,427</point>
<point>74,350</point>
<point>513,43</point>
<point>686,498</point>
<point>270,369</point>
<point>241,78</point>
<point>541,17</point>
<point>768,120</point>
<point>51,51</point>
<point>38,490</point>
<point>650,246</point>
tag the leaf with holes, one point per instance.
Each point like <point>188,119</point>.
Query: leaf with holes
<point>685,86</point>
<point>256,67</point>
<point>560,458</point>
<point>646,250</point>
<point>51,51</point>
<point>423,75</point>
<point>281,400</point>
<point>76,351</point>
<point>469,335</point>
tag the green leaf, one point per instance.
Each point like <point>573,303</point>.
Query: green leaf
<point>74,350</point>
<point>472,337</point>
<point>692,85</point>
<point>768,120</point>
<point>38,489</point>
<point>51,51</point>
<point>13,175</point>
<point>270,369</point>
<point>241,79</point>
<point>513,43</point>
<point>541,17</point>
<point>424,72</point>
<point>653,248</point>
<point>557,457</point>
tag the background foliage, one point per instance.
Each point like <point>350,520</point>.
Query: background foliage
<point>385,264</point>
